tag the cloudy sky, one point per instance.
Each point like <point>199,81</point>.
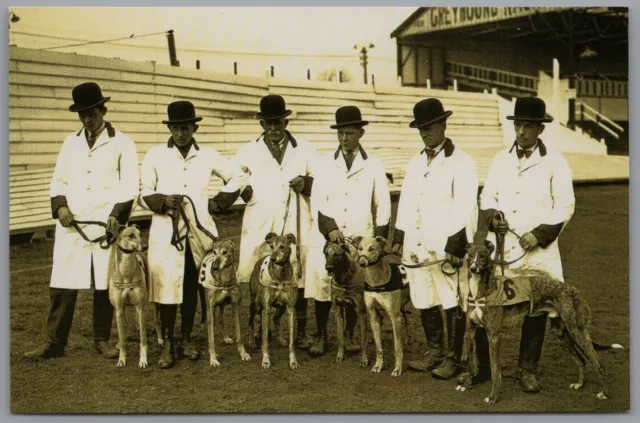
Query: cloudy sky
<point>303,30</point>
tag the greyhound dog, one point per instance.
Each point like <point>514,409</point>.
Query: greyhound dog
<point>386,290</point>
<point>218,276</point>
<point>273,284</point>
<point>347,291</point>
<point>128,286</point>
<point>491,306</point>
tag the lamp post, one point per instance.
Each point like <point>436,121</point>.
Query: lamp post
<point>363,58</point>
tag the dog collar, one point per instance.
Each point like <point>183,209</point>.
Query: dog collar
<point>395,282</point>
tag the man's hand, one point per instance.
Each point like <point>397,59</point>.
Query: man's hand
<point>455,262</point>
<point>112,225</point>
<point>528,241</point>
<point>397,249</point>
<point>297,183</point>
<point>65,216</point>
<point>336,236</point>
<point>172,202</point>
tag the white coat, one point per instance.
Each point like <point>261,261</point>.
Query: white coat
<point>165,171</point>
<point>265,211</point>
<point>348,197</point>
<point>540,191</point>
<point>93,181</point>
<point>437,201</point>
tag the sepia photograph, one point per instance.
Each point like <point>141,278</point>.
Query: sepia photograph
<point>319,210</point>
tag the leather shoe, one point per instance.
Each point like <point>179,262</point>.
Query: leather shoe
<point>351,346</point>
<point>43,352</point>
<point>427,363</point>
<point>189,350</point>
<point>447,370</point>
<point>167,358</point>
<point>103,347</point>
<point>528,381</point>
<point>319,347</point>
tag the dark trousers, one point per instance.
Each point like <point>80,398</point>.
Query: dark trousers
<point>60,318</point>
<point>189,304</point>
<point>532,338</point>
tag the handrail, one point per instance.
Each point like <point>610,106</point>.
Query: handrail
<point>606,128</point>
<point>502,78</point>
<point>602,117</point>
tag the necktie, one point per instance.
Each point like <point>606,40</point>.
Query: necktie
<point>349,158</point>
<point>520,152</point>
<point>431,153</point>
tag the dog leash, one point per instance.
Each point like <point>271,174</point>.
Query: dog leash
<point>109,237</point>
<point>176,239</point>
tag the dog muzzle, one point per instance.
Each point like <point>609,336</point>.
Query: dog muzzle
<point>363,261</point>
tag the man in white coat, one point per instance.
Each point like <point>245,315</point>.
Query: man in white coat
<point>170,173</point>
<point>351,187</point>
<point>437,213</point>
<point>281,179</point>
<point>533,187</point>
<point>95,179</point>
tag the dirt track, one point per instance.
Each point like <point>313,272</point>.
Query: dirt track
<point>595,249</point>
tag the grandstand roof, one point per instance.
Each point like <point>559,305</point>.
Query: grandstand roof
<point>591,25</point>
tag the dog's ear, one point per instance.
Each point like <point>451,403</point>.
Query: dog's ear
<point>467,248</point>
<point>269,238</point>
<point>120,228</point>
<point>489,245</point>
<point>357,240</point>
<point>291,238</point>
<point>232,244</point>
<point>136,226</point>
<point>384,244</point>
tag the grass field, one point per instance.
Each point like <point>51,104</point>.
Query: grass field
<point>595,248</point>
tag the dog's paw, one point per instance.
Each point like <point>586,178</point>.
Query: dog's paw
<point>575,386</point>
<point>338,358</point>
<point>294,364</point>
<point>364,362</point>
<point>491,399</point>
<point>283,342</point>
<point>122,362</point>
<point>160,341</point>
<point>213,362</point>
<point>266,363</point>
<point>245,356</point>
<point>377,368</point>
<point>251,344</point>
<point>396,372</point>
<point>461,388</point>
<point>228,340</point>
<point>143,363</point>
<point>601,395</point>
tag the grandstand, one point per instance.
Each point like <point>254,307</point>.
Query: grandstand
<point>40,85</point>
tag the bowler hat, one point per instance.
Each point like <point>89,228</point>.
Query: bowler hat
<point>348,115</point>
<point>428,111</point>
<point>530,109</point>
<point>181,112</point>
<point>272,107</point>
<point>86,96</point>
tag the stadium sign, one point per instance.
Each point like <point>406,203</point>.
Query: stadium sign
<point>440,18</point>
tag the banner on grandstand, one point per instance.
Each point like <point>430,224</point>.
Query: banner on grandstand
<point>440,18</point>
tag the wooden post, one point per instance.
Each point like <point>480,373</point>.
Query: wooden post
<point>197,64</point>
<point>455,85</point>
<point>308,73</point>
<point>235,68</point>
<point>582,115</point>
<point>556,88</point>
<point>428,83</point>
<point>272,71</point>
<point>173,57</point>
<point>373,79</point>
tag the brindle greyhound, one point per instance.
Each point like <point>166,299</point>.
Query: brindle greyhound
<point>386,290</point>
<point>568,312</point>
<point>218,277</point>
<point>272,284</point>
<point>347,291</point>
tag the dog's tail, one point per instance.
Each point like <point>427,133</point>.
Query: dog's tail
<point>603,347</point>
